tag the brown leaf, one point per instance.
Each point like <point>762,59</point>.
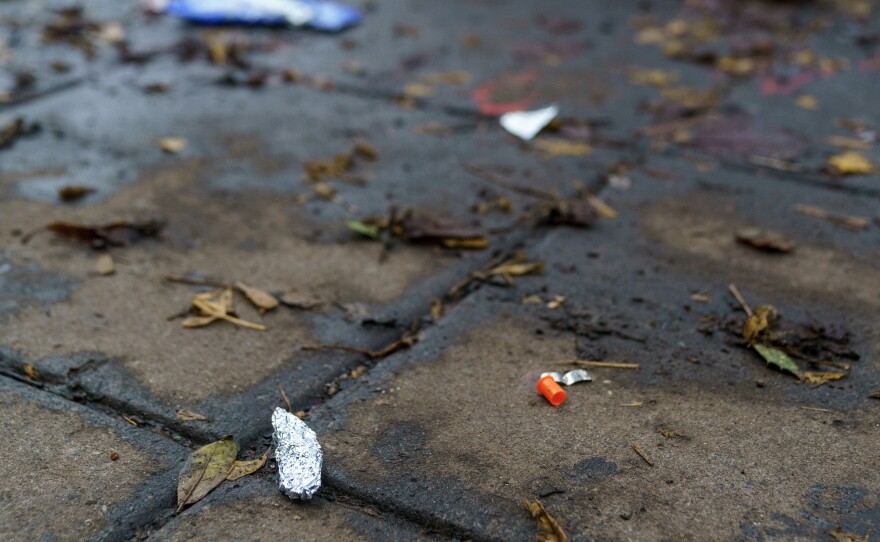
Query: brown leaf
<point>421,228</point>
<point>190,416</point>
<point>262,300</point>
<point>240,469</point>
<point>300,300</point>
<point>638,449</point>
<point>104,265</point>
<point>204,470</point>
<point>550,529</point>
<point>74,192</point>
<point>114,234</point>
<point>765,240</point>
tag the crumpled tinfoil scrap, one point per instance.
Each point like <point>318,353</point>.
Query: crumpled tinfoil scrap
<point>298,455</point>
<point>571,377</point>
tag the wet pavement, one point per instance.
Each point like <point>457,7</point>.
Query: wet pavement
<point>691,120</point>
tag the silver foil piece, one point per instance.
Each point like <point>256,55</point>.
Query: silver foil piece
<point>298,455</point>
<point>571,377</point>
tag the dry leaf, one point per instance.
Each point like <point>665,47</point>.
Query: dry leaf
<point>840,536</point>
<point>262,300</point>
<point>758,322</point>
<point>300,301</point>
<point>240,469</point>
<point>850,163</point>
<point>551,148</point>
<point>104,265</point>
<point>190,416</point>
<point>446,78</point>
<point>551,531</point>
<point>114,234</point>
<point>765,240</point>
<point>807,102</point>
<point>475,243</point>
<point>669,433</point>
<point>171,145</point>
<point>324,191</point>
<point>205,469</point>
<point>30,371</point>
<point>74,192</point>
<point>556,302</point>
<point>819,378</point>
<point>216,305</point>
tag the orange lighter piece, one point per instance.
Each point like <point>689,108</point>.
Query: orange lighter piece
<point>551,390</point>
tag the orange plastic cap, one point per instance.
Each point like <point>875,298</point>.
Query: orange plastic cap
<point>551,390</point>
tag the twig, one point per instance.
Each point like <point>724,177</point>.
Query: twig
<point>500,181</point>
<point>608,364</point>
<point>286,400</point>
<point>641,452</point>
<point>198,282</point>
<point>815,408</point>
<point>735,291</point>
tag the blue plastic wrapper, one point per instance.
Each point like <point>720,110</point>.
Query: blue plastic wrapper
<point>317,14</point>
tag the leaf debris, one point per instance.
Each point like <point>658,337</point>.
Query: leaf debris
<point>187,415</point>
<point>240,469</point>
<point>204,470</point>
<point>551,531</point>
<point>113,234</point>
<point>216,305</point>
<point>171,145</point>
<point>849,222</point>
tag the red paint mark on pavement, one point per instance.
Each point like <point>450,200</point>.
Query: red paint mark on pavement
<point>484,95</point>
<point>776,86</point>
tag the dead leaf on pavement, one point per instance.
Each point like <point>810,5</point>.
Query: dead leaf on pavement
<point>216,305</point>
<point>190,416</point>
<point>425,229</point>
<point>171,145</point>
<point>817,378</point>
<point>638,449</point>
<point>74,192</point>
<point>114,234</point>
<point>850,163</point>
<point>758,322</point>
<point>551,148</point>
<point>262,300</point>
<point>551,531</point>
<point>104,265</point>
<point>850,222</point>
<point>30,371</point>
<point>204,470</point>
<point>300,300</point>
<point>840,536</point>
<point>240,469</point>
<point>669,433</point>
<point>768,241</point>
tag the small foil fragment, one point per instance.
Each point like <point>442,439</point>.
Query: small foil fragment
<point>526,124</point>
<point>298,455</point>
<point>571,377</point>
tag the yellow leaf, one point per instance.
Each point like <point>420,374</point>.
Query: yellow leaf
<point>240,469</point>
<point>30,371</point>
<point>758,322</point>
<point>261,299</point>
<point>552,532</point>
<point>551,148</point>
<point>475,243</point>
<point>850,163</point>
<point>807,102</point>
<point>204,470</point>
<point>819,378</point>
<point>446,78</point>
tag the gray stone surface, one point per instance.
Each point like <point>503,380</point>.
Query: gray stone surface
<point>446,438</point>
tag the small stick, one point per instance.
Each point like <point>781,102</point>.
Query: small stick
<point>815,408</point>
<point>641,452</point>
<point>735,291</point>
<point>286,400</point>
<point>500,181</point>
<point>607,364</point>
<point>198,282</point>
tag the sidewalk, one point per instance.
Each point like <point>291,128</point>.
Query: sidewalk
<point>695,122</point>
